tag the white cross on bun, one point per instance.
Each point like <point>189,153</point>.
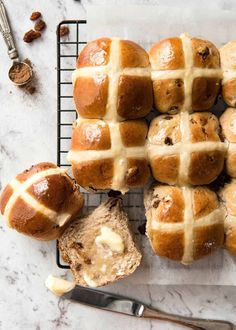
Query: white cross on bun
<point>186,74</point>
<point>186,148</point>
<point>108,155</point>
<point>41,201</point>
<point>112,80</point>
<point>183,223</point>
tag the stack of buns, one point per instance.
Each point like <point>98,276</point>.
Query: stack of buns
<point>112,91</point>
<point>185,150</point>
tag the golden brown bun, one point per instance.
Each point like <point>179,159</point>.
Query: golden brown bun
<point>195,86</point>
<point>228,195</point>
<point>113,80</point>
<point>228,124</point>
<point>228,63</point>
<point>107,155</point>
<point>41,201</point>
<point>183,223</point>
<point>186,148</point>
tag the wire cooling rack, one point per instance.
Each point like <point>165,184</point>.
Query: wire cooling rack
<point>68,49</point>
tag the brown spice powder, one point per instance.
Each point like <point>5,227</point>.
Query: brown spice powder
<point>20,73</point>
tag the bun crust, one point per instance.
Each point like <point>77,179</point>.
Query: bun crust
<point>228,195</point>
<point>228,60</point>
<point>40,201</point>
<point>186,148</point>
<point>183,224</point>
<point>228,124</point>
<point>186,74</point>
<point>107,155</point>
<point>113,80</point>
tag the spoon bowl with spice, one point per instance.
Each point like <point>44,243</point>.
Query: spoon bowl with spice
<point>20,73</point>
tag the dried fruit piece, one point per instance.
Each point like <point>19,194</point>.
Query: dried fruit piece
<point>31,35</point>
<point>35,15</point>
<point>64,30</point>
<point>40,25</point>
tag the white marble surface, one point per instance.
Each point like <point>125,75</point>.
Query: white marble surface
<point>28,135</point>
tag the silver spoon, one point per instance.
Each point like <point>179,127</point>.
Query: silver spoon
<point>17,65</point>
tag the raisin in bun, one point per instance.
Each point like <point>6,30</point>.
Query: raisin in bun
<point>183,223</point>
<point>40,201</point>
<point>228,63</point>
<point>99,247</point>
<point>186,148</point>
<point>228,124</point>
<point>112,80</point>
<point>186,74</point>
<point>108,155</point>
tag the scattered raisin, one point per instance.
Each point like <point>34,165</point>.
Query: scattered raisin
<point>40,25</point>
<point>178,82</point>
<point>193,121</point>
<point>78,267</point>
<point>35,15</point>
<point>64,30</point>
<point>211,158</point>
<point>80,245</point>
<point>204,53</point>
<point>168,117</point>
<point>88,261</point>
<point>132,174</point>
<point>168,141</point>
<point>31,35</point>
<point>155,203</point>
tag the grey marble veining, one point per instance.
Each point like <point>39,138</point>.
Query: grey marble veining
<point>27,136</point>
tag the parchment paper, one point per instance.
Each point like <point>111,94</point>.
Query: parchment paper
<point>145,24</point>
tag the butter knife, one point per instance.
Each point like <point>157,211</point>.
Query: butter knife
<point>115,303</point>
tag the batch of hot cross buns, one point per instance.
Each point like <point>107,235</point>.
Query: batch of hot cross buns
<point>184,149</point>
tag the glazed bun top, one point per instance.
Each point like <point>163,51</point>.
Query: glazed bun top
<point>99,53</point>
<point>40,201</point>
<point>183,223</point>
<point>186,74</point>
<point>112,80</point>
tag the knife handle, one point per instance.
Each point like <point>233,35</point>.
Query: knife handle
<point>196,324</point>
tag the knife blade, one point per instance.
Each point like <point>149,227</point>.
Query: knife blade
<point>119,304</point>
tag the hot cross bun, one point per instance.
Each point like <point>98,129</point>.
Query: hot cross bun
<point>228,195</point>
<point>41,201</point>
<point>228,63</point>
<point>186,148</point>
<point>228,124</point>
<point>112,80</point>
<point>186,74</point>
<point>183,223</point>
<point>108,155</point>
